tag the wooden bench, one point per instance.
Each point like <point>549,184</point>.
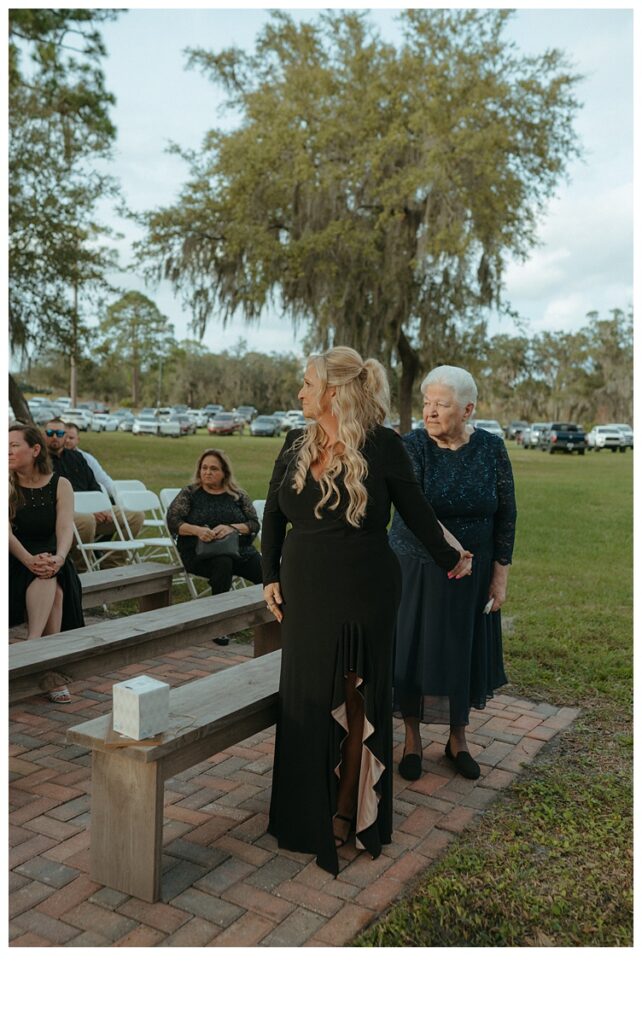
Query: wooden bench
<point>149,582</point>
<point>206,716</point>
<point>106,646</point>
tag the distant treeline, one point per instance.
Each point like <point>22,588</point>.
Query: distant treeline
<point>584,375</point>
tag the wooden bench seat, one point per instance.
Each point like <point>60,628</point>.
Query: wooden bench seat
<point>206,716</point>
<point>106,646</point>
<point>149,582</point>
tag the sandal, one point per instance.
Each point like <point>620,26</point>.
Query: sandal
<point>61,696</point>
<point>340,841</point>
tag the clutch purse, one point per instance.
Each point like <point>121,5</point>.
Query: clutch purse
<point>228,545</point>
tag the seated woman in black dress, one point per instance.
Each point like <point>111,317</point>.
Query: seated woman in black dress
<point>334,583</point>
<point>449,639</point>
<point>210,508</point>
<point>44,588</point>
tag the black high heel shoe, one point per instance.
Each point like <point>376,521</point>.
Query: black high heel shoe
<point>410,767</point>
<point>464,763</point>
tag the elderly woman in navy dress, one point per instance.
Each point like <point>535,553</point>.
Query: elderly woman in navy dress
<point>448,655</point>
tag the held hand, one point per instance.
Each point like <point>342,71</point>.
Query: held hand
<point>463,568</point>
<point>274,600</point>
<point>205,534</point>
<point>103,517</point>
<point>39,565</point>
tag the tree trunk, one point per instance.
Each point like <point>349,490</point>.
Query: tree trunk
<point>73,381</point>
<point>18,403</point>
<point>409,366</point>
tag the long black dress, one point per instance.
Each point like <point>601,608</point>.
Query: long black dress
<point>341,587</point>
<point>35,527</point>
<point>448,654</point>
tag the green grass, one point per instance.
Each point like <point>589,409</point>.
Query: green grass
<point>550,863</point>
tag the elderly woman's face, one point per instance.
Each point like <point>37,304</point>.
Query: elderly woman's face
<point>443,416</point>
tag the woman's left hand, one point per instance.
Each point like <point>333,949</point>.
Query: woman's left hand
<point>498,586</point>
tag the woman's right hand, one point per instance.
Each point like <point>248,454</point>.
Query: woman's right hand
<point>39,565</point>
<point>205,534</point>
<point>274,600</point>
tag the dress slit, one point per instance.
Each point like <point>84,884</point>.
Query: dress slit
<point>352,659</point>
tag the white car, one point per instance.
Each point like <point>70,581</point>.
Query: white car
<point>145,425</point>
<point>170,427</point>
<point>601,437</point>
<point>293,414</point>
<point>531,435</point>
<point>492,426</point>
<point>81,417</point>
<point>626,433</point>
<point>99,421</point>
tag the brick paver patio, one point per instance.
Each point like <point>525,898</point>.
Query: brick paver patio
<point>224,881</point>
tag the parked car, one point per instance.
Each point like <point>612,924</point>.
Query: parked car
<point>563,437</point>
<point>41,412</point>
<point>492,426</point>
<point>515,429</point>
<point>225,423</point>
<point>265,426</point>
<point>601,437</point>
<point>98,421</point>
<point>186,424</point>
<point>199,417</point>
<point>282,417</point>
<point>169,426</point>
<point>145,425</point>
<point>529,437</point>
<point>113,421</point>
<point>212,409</point>
<point>64,402</point>
<point>626,433</point>
<point>298,421</point>
<point>81,417</point>
<point>127,422</point>
<point>248,412</point>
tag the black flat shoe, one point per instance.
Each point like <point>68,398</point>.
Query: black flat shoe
<point>464,763</point>
<point>410,767</point>
<point>222,641</point>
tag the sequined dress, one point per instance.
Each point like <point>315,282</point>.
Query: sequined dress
<point>340,587</point>
<point>448,654</point>
<point>35,527</point>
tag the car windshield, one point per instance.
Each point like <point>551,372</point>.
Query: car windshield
<point>224,416</point>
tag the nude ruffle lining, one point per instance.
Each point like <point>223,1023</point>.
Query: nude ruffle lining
<point>352,660</point>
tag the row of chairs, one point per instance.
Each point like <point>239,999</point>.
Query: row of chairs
<point>157,544</point>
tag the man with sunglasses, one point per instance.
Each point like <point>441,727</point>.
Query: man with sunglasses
<point>75,468</point>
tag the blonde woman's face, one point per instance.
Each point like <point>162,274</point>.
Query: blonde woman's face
<point>211,472</point>
<point>315,403</point>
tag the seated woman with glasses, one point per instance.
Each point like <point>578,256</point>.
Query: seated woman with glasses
<point>209,509</point>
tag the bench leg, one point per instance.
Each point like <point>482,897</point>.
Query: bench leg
<point>267,638</point>
<point>149,602</point>
<point>126,825</point>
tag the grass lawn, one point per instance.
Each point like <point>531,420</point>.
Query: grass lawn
<point>550,863</point>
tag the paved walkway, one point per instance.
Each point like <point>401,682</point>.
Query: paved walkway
<point>224,881</point>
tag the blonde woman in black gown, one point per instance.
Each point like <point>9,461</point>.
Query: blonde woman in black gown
<point>334,583</point>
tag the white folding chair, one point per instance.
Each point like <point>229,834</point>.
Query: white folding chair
<point>93,553</point>
<point>162,542</point>
<point>238,583</point>
<point>167,495</point>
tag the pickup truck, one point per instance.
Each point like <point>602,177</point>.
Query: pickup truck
<point>563,437</point>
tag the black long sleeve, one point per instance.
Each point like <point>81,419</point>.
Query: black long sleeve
<point>274,521</point>
<point>408,498</point>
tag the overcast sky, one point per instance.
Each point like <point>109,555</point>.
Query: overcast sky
<point>584,261</point>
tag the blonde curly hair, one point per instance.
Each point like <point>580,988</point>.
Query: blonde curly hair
<point>361,402</point>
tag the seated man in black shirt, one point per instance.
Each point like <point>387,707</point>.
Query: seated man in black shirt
<point>74,467</point>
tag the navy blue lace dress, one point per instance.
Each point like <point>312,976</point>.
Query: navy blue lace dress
<point>448,654</point>
<point>340,586</point>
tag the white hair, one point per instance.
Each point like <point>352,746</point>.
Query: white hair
<point>460,381</point>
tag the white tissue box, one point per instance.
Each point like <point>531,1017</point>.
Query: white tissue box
<point>140,707</point>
